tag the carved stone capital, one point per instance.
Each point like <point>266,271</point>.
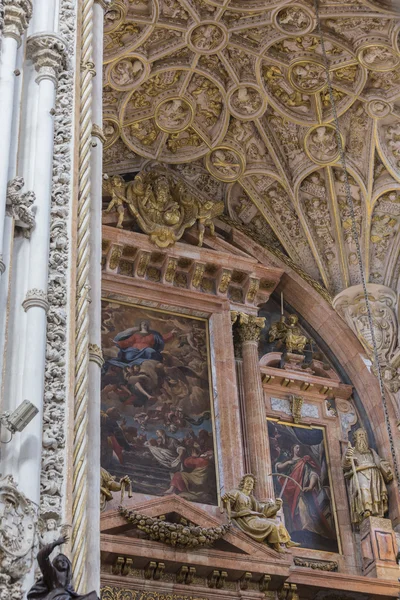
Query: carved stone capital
<point>19,205</point>
<point>351,306</point>
<point>96,354</point>
<point>18,538</point>
<point>35,297</point>
<point>17,14</point>
<point>48,53</point>
<point>249,327</point>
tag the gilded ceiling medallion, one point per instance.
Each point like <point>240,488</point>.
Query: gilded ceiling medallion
<point>378,57</point>
<point>225,163</point>
<point>114,15</point>
<point>174,115</point>
<point>128,71</point>
<point>378,108</point>
<point>246,102</point>
<point>294,20</point>
<point>321,144</point>
<point>307,76</point>
<point>207,38</point>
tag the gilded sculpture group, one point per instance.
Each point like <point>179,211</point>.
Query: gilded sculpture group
<point>162,207</point>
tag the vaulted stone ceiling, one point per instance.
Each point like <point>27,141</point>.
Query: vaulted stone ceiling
<point>233,95</point>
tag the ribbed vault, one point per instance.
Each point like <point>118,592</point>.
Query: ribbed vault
<point>232,94</point>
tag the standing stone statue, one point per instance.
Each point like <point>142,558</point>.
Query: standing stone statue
<point>56,581</point>
<point>367,474</point>
<point>255,518</point>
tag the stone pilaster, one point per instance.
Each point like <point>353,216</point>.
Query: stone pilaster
<point>248,334</point>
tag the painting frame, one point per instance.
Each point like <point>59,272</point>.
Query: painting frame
<point>185,314</point>
<point>323,429</point>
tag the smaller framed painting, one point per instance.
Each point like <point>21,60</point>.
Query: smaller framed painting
<point>301,475</point>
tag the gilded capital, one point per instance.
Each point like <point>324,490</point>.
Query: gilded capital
<point>48,53</point>
<point>249,327</point>
<point>17,14</point>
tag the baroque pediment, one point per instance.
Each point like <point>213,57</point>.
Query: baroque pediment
<point>178,510</point>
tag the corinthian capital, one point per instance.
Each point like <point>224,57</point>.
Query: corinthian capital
<point>48,53</point>
<point>249,327</point>
<point>17,14</point>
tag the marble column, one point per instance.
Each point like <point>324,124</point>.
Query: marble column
<point>16,18</point>
<point>46,50</point>
<point>95,354</point>
<point>248,333</point>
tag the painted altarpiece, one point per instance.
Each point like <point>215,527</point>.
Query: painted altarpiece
<point>157,408</point>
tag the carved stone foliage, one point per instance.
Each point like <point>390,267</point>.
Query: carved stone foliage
<point>18,538</point>
<point>117,593</point>
<point>19,206</point>
<point>175,534</point>
<point>52,476</point>
<point>243,91</point>
<point>16,15</point>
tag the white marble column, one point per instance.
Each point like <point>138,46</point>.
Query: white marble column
<point>95,354</point>
<point>16,18</point>
<point>46,50</point>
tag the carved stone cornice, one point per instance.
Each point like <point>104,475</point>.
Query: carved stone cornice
<point>35,297</point>
<point>249,327</point>
<point>17,14</point>
<point>48,53</point>
<point>96,354</point>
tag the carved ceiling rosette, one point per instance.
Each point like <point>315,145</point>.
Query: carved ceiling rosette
<point>239,89</point>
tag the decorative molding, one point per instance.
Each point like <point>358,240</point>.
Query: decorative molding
<point>117,593</point>
<point>320,565</point>
<point>18,538</point>
<point>81,389</point>
<point>48,53</point>
<point>17,14</point>
<point>296,404</point>
<point>19,206</point>
<point>103,3</point>
<point>36,297</point>
<point>2,265</point>
<point>96,354</point>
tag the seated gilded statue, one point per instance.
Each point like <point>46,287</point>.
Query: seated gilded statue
<point>255,518</point>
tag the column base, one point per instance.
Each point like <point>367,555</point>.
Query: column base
<point>379,549</point>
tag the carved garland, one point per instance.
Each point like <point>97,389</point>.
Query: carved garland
<point>174,534</point>
<point>52,472</point>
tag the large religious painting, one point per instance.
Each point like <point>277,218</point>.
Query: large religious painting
<point>301,478</point>
<point>157,424</point>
